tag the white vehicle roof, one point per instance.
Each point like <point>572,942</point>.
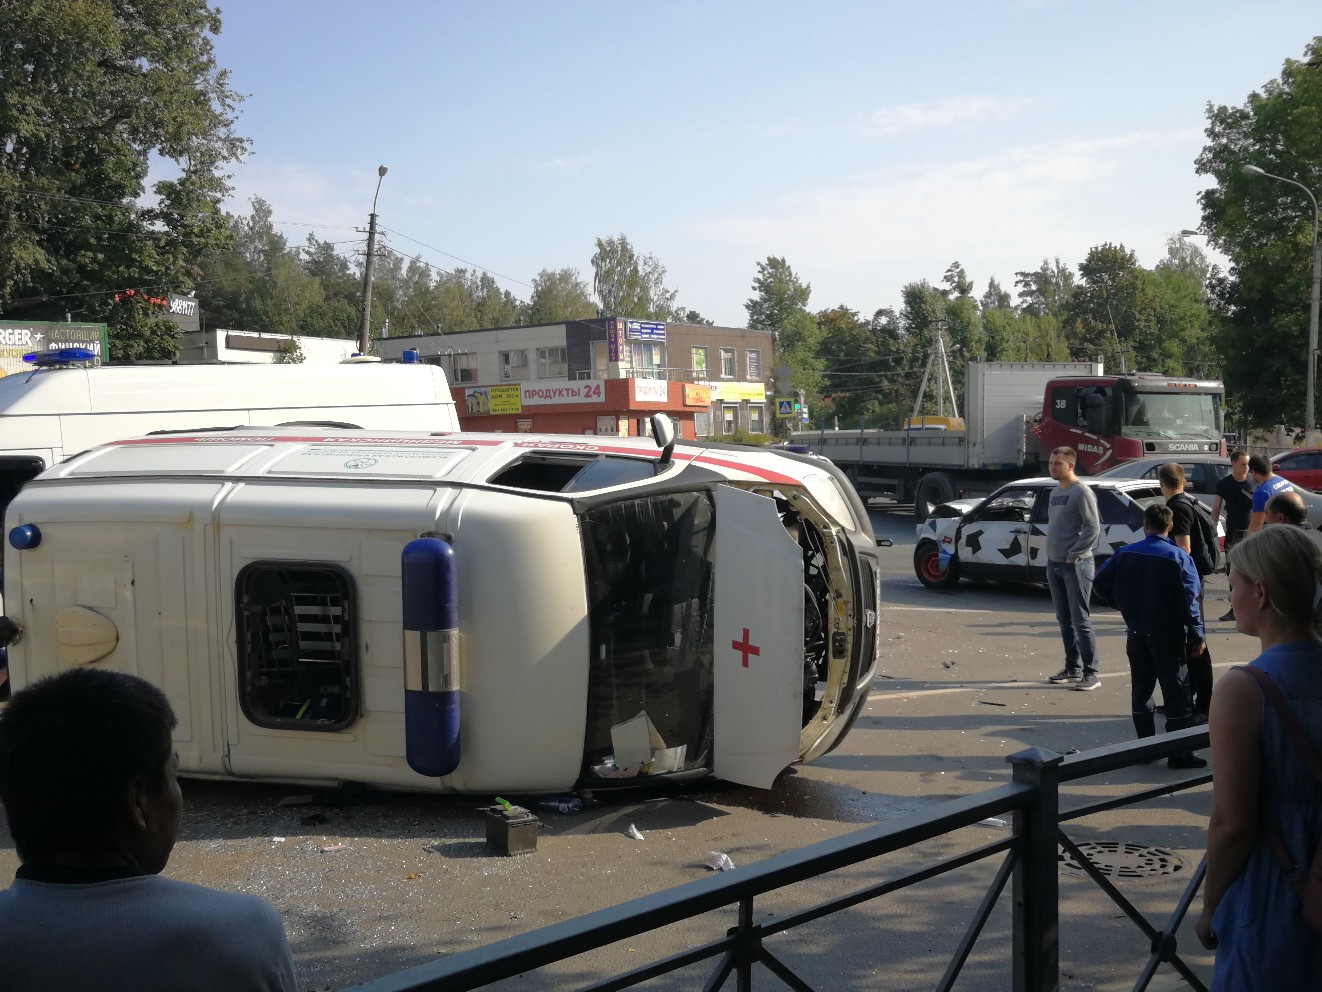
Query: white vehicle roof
<point>145,388</point>
<point>458,458</point>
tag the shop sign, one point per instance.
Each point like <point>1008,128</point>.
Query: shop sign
<point>651,391</point>
<point>695,395</point>
<point>562,391</point>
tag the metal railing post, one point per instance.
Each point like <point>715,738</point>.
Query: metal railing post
<point>1036,878</point>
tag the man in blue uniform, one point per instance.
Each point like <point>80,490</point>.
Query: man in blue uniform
<point>1155,586</point>
<point>1268,485</point>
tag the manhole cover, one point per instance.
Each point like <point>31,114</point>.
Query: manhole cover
<point>1121,859</point>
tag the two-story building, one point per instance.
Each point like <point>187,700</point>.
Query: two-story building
<point>605,375</point>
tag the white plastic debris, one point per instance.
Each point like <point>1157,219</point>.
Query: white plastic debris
<point>717,861</point>
<point>277,840</point>
<point>634,832</point>
<point>992,821</point>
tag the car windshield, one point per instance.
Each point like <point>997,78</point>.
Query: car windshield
<point>1171,415</point>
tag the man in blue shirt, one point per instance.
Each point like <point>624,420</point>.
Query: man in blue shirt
<point>1155,586</point>
<point>1268,485</point>
<point>88,779</point>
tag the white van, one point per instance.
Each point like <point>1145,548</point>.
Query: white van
<point>64,405</point>
<point>459,613</point>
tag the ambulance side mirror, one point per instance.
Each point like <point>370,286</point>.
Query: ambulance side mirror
<point>663,431</point>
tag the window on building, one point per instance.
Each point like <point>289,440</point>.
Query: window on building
<point>649,359</point>
<point>297,646</point>
<point>463,368</point>
<point>755,424</point>
<point>728,369</point>
<point>702,424</point>
<point>514,364</point>
<point>731,419</point>
<point>552,363</point>
<point>753,361</point>
<point>700,362</point>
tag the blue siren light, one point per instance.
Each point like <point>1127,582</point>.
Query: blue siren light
<point>25,536</point>
<point>60,356</point>
<point>431,657</point>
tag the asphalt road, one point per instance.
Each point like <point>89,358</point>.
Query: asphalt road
<point>369,888</point>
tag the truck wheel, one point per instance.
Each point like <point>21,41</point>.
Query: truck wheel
<point>932,491</point>
<point>927,566</point>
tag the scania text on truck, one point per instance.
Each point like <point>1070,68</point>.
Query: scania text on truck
<point>1015,414</point>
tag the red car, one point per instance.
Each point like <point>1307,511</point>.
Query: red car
<point>1302,466</point>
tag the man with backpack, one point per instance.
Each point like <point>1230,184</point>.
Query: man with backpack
<point>1193,533</point>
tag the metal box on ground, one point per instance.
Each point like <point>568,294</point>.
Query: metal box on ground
<point>511,829</point>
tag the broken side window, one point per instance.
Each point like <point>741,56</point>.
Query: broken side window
<point>297,646</point>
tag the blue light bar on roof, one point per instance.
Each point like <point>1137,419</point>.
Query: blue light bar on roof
<point>60,356</point>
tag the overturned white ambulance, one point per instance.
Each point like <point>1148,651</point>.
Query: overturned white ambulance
<point>457,612</point>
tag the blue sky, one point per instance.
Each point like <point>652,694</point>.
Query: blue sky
<point>870,144</point>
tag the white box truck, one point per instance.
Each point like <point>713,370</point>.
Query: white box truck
<point>64,405</point>
<point>1015,414</point>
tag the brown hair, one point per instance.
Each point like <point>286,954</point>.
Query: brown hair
<point>1171,475</point>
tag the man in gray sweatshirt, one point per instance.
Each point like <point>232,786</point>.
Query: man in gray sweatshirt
<point>1072,530</point>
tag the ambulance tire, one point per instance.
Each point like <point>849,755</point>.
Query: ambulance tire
<point>932,491</point>
<point>927,566</point>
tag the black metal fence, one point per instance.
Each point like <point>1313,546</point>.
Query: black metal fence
<point>1029,859</point>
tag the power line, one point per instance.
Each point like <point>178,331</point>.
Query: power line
<point>436,268</point>
<point>457,258</point>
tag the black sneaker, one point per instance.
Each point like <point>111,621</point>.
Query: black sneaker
<point>1066,675</point>
<point>1186,760</point>
<point>1088,682</point>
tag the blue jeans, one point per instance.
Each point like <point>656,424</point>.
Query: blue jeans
<point>1071,588</point>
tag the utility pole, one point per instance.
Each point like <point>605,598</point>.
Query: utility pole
<point>364,329</point>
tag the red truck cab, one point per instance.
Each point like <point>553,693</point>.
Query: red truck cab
<point>1109,419</point>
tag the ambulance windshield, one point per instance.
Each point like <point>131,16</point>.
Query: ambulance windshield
<point>650,603</point>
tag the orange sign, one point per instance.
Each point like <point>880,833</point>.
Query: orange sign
<point>695,395</point>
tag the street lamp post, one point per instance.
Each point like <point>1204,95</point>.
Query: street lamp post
<point>1310,425</point>
<point>364,329</point>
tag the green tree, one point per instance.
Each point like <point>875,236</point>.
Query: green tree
<point>1110,307</point>
<point>138,331</point>
<point>1047,291</point>
<point>995,298</point>
<point>1265,228</point>
<point>957,281</point>
<point>559,295</point>
<point>868,368</point>
<point>290,353</point>
<point>90,94</point>
<point>630,285</point>
<point>780,305</point>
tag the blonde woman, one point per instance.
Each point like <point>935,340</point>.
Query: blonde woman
<point>1250,911</point>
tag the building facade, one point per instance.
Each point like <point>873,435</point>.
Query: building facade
<point>714,379</point>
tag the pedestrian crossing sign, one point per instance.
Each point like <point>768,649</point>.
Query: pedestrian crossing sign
<point>784,406</point>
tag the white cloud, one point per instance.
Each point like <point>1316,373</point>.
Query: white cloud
<point>568,165</point>
<point>305,199</point>
<point>1018,193</point>
<point>860,239</point>
<point>907,118</point>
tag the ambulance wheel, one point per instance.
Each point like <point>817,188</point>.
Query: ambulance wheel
<point>927,566</point>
